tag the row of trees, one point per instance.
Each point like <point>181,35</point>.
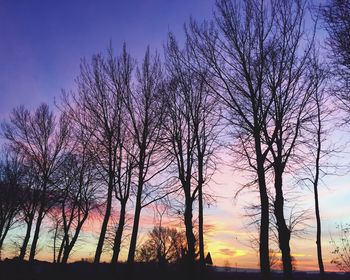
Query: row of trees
<point>251,78</point>
<point>128,132</point>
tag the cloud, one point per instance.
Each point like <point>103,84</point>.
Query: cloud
<point>226,252</point>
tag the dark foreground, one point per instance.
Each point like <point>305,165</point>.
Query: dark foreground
<point>10,269</point>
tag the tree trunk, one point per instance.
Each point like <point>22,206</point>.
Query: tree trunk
<point>318,237</point>
<point>189,233</point>
<point>264,228</point>
<point>41,215</point>
<point>36,235</point>
<point>200,219</point>
<point>283,230</point>
<point>60,252</point>
<point>26,240</point>
<point>66,227</point>
<point>105,222</point>
<point>66,248</point>
<point>1,229</point>
<point>3,236</point>
<point>119,233</point>
<point>138,206</point>
<point>66,253</point>
<point>317,175</point>
<point>264,257</point>
<point>1,243</point>
<point>133,241</point>
<point>54,243</point>
<point>70,246</point>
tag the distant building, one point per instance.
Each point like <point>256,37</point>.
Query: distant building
<point>208,260</point>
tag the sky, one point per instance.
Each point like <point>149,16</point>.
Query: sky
<point>42,42</point>
<point>41,46</point>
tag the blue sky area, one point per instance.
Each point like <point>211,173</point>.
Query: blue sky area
<point>42,42</point>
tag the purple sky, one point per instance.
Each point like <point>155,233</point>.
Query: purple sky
<point>42,42</point>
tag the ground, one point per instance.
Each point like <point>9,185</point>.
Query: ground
<point>12,269</point>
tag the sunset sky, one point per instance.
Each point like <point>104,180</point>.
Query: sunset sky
<point>41,45</point>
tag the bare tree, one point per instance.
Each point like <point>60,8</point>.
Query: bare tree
<point>253,53</point>
<point>78,198</point>
<point>234,49</point>
<point>192,129</point>
<point>11,179</point>
<point>317,161</point>
<point>98,109</point>
<point>126,166</point>
<point>30,201</point>
<point>146,109</point>
<point>207,126</point>
<point>164,245</point>
<point>292,91</point>
<point>336,16</point>
<point>319,99</point>
<point>341,248</point>
<point>120,71</point>
<point>41,140</point>
<point>297,221</point>
<point>55,230</point>
<point>181,146</point>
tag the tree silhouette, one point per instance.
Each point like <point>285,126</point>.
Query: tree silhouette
<point>191,130</point>
<point>164,245</point>
<point>11,180</point>
<point>146,109</point>
<point>41,140</point>
<point>98,109</point>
